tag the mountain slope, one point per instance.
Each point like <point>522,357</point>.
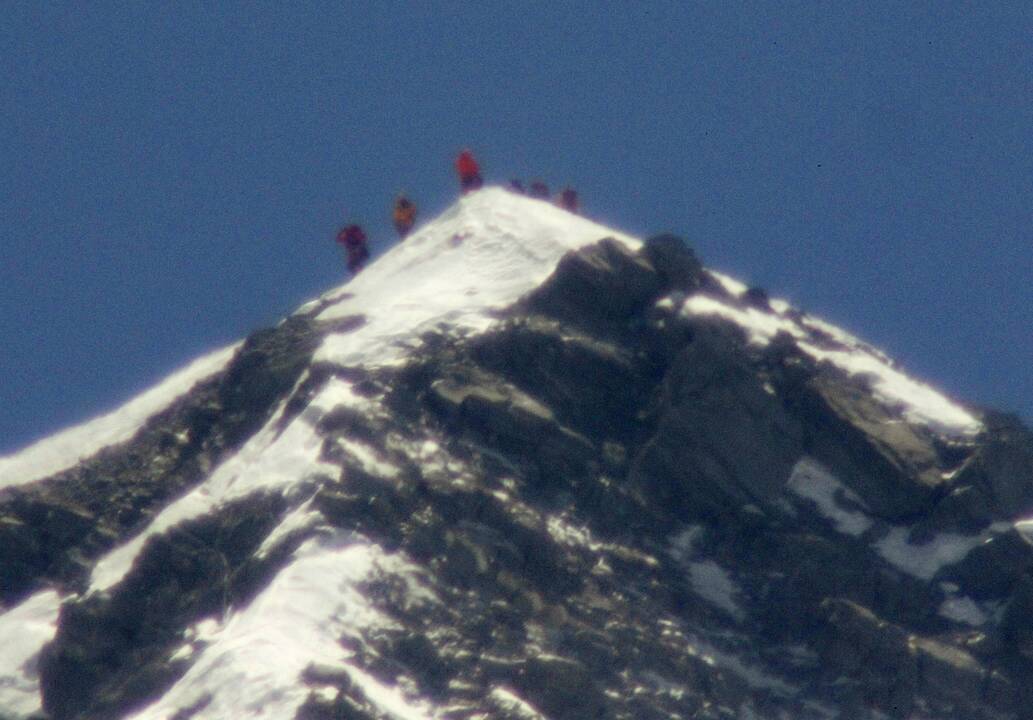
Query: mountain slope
<point>516,470</point>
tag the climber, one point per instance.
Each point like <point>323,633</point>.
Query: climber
<point>539,190</point>
<point>469,172</point>
<point>354,241</point>
<point>404,215</point>
<point>568,199</point>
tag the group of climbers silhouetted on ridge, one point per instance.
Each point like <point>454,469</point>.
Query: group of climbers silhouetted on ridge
<point>353,238</point>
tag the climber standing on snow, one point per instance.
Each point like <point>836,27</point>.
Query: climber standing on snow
<point>469,172</point>
<point>354,241</point>
<point>404,215</point>
<point>568,199</point>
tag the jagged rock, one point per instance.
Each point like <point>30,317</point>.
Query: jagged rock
<point>898,671</point>
<point>993,568</point>
<point>113,651</point>
<point>674,261</point>
<point>561,687</point>
<point>64,522</point>
<point>606,281</point>
<point>702,458</point>
<point>890,465</point>
<point>1002,468</point>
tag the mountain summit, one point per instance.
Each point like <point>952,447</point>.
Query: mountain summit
<point>523,467</point>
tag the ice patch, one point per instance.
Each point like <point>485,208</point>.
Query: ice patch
<point>68,447</point>
<point>24,630</point>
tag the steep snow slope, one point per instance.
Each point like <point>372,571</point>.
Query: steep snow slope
<point>66,448</point>
<point>480,256</point>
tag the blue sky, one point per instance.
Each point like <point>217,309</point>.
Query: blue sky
<point>174,174</point>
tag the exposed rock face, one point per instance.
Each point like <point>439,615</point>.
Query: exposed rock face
<point>620,511</point>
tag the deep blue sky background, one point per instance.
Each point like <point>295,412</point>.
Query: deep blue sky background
<point>173,177</point>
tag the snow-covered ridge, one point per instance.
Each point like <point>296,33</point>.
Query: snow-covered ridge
<point>68,447</point>
<point>482,254</point>
<point>919,403</point>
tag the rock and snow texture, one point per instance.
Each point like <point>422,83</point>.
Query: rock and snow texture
<point>63,450</point>
<point>464,499</point>
<point>823,341</point>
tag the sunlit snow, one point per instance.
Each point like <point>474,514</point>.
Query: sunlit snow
<point>24,630</point>
<point>252,664</point>
<point>66,448</point>
<point>271,460</point>
<point>482,254</point>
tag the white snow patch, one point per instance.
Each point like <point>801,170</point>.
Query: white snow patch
<point>924,561</point>
<point>24,630</point>
<point>508,701</point>
<point>253,664</point>
<point>964,610</point>
<point>368,459</point>
<point>683,543</point>
<point>706,578</point>
<point>922,404</point>
<point>754,676</point>
<point>566,534</point>
<point>1025,529</point>
<point>713,583</point>
<point>809,479</point>
<point>68,447</point>
<point>734,287</point>
<point>482,254</point>
<point>267,461</point>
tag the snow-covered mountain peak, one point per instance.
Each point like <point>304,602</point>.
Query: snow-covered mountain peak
<point>481,254</point>
<point>511,471</point>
